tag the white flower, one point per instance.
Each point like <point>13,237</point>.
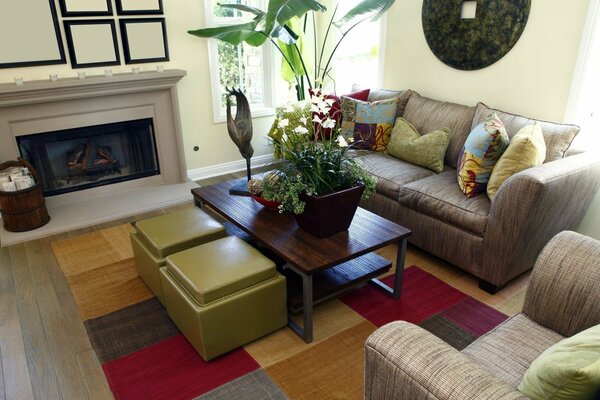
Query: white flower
<point>328,123</point>
<point>283,123</point>
<point>317,119</point>
<point>315,99</point>
<point>289,109</point>
<point>330,101</point>
<point>284,137</point>
<point>301,130</point>
<point>341,141</point>
<point>314,108</point>
<point>323,106</point>
<point>303,120</point>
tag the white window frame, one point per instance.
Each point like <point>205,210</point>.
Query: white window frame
<point>264,109</point>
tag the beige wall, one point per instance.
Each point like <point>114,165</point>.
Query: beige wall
<point>532,79</point>
<point>195,101</point>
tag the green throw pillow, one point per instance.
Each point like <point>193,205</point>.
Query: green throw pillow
<point>293,113</point>
<point>427,151</point>
<point>525,150</point>
<point>570,369</point>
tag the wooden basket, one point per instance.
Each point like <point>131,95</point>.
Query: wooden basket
<point>25,209</point>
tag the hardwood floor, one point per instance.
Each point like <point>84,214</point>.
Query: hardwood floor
<point>45,352</point>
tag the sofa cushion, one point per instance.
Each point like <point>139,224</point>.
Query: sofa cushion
<point>570,369</point>
<point>509,349</point>
<point>391,173</point>
<point>525,150</point>
<point>383,94</point>
<point>438,196</point>
<point>482,150</point>
<point>428,115</point>
<point>427,150</point>
<point>370,124</point>
<point>334,112</point>
<point>558,137</point>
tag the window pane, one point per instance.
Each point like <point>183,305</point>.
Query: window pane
<point>241,67</point>
<point>223,12</point>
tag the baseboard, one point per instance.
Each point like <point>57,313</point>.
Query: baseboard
<point>227,168</point>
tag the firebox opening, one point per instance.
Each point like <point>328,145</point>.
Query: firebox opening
<point>86,157</point>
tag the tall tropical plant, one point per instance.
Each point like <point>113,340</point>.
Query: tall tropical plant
<point>284,25</point>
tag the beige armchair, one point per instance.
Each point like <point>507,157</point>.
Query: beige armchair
<point>403,361</point>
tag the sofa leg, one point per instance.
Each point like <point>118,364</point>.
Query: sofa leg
<point>488,287</point>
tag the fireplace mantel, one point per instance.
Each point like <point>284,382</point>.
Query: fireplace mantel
<point>43,91</point>
<point>46,106</point>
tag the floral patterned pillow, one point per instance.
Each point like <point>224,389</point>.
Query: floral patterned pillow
<point>482,149</point>
<point>370,124</point>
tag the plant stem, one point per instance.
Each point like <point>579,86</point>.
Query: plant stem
<point>291,67</point>
<point>315,46</point>
<point>303,65</point>
<point>325,42</point>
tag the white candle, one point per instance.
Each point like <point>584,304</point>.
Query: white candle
<point>18,81</point>
<point>135,70</point>
<point>108,73</point>
<point>81,75</point>
<point>53,77</point>
<point>160,68</point>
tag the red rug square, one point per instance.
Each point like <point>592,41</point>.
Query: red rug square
<point>473,316</point>
<point>422,296</point>
<point>173,370</point>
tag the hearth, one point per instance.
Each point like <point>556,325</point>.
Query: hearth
<point>86,157</point>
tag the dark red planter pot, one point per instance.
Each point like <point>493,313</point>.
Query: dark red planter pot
<point>330,213</point>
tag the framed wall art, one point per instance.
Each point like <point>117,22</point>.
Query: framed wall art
<point>29,34</point>
<point>144,40</point>
<point>81,8</point>
<point>139,7</point>
<point>92,43</point>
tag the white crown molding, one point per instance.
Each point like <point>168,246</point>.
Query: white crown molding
<point>227,168</point>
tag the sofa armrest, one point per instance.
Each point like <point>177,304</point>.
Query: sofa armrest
<point>533,206</point>
<point>403,361</point>
<point>564,291</point>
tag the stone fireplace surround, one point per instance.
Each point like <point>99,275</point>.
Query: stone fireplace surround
<point>43,106</point>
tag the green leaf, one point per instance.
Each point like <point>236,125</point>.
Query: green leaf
<point>242,7</point>
<point>284,10</point>
<point>234,34</point>
<point>289,50</point>
<point>365,10</point>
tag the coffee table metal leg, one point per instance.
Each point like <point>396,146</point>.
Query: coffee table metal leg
<point>396,290</point>
<point>306,331</point>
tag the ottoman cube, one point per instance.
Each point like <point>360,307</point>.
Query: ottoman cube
<point>156,238</point>
<point>223,294</point>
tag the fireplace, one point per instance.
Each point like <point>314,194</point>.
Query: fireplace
<point>85,157</point>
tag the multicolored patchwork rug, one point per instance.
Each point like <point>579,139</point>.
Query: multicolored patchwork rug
<point>144,356</point>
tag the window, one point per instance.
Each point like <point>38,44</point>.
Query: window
<point>243,66</point>
<point>358,59</point>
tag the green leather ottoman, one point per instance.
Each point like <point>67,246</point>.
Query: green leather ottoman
<point>223,294</point>
<point>156,238</point>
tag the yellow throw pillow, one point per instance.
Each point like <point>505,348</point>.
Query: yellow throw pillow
<point>525,150</point>
<point>570,369</point>
<point>427,151</point>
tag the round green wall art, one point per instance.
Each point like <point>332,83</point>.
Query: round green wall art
<point>473,43</point>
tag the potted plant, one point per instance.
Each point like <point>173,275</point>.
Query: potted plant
<point>284,25</point>
<point>318,181</point>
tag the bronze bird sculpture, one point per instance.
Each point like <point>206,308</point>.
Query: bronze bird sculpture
<point>240,131</point>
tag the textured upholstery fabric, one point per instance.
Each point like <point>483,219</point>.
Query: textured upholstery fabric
<point>482,150</point>
<point>558,137</point>
<point>493,365</point>
<point>570,369</point>
<point>369,123</point>
<point>439,197</point>
<point>403,361</point>
<point>208,276</point>
<point>428,115</point>
<point>511,347</point>
<point>427,151</point>
<point>391,173</point>
<point>569,260</point>
<point>525,150</point>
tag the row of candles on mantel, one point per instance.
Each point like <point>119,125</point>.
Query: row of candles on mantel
<point>81,75</point>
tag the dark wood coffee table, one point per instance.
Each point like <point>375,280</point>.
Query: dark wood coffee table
<point>326,266</point>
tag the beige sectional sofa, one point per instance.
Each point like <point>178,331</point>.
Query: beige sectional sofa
<point>493,240</point>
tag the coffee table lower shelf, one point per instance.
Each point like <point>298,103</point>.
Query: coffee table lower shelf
<point>334,281</point>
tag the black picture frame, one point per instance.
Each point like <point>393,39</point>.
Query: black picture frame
<point>131,42</point>
<point>64,9</point>
<point>17,63</point>
<point>121,10</point>
<point>75,48</point>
